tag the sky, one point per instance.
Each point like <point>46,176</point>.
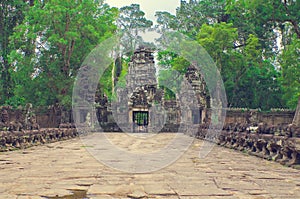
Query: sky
<point>149,7</point>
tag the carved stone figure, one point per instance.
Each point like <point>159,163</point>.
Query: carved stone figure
<point>4,119</point>
<point>4,116</point>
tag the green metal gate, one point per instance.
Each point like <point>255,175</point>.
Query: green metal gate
<point>140,120</point>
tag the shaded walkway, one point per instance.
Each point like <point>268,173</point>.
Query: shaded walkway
<point>60,168</point>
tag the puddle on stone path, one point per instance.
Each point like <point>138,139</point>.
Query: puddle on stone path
<point>76,194</point>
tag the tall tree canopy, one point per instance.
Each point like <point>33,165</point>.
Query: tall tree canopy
<point>254,43</point>
<point>290,63</point>
<point>11,15</point>
<point>132,21</point>
<point>51,44</point>
<point>245,39</point>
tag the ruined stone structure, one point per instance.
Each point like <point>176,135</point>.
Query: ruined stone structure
<point>142,91</point>
<point>141,105</point>
<point>85,96</point>
<point>135,109</point>
<point>141,72</point>
<point>196,96</point>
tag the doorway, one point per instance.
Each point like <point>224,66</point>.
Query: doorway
<point>140,121</point>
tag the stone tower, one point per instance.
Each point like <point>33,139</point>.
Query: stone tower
<point>142,91</point>
<point>135,106</point>
<point>141,70</point>
<point>141,106</point>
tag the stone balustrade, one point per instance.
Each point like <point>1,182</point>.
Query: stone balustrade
<point>12,140</point>
<point>277,143</point>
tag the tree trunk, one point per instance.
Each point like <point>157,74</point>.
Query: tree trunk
<point>296,119</point>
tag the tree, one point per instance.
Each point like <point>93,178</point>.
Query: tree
<point>218,40</point>
<point>132,21</point>
<point>277,25</point>
<point>193,14</point>
<point>164,22</point>
<point>290,65</point>
<point>268,19</point>
<point>246,75</point>
<point>244,38</point>
<point>51,44</point>
<point>11,15</point>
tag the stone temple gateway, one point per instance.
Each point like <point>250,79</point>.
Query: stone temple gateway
<point>141,106</point>
<point>141,89</point>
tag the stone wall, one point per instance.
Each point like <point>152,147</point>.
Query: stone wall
<point>233,116</point>
<point>278,143</point>
<point>53,116</point>
<point>273,117</point>
<point>49,117</point>
<point>19,119</point>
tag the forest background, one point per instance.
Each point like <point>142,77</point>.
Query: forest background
<point>255,45</point>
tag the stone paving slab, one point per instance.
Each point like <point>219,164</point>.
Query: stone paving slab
<point>62,169</point>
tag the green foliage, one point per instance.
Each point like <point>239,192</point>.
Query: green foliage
<point>191,16</point>
<point>15,101</point>
<point>170,80</point>
<point>168,94</point>
<point>11,14</point>
<point>171,70</point>
<point>290,64</point>
<point>122,78</point>
<point>262,17</point>
<point>180,65</point>
<point>165,21</point>
<point>51,44</point>
<point>106,82</point>
<point>247,76</point>
<point>165,59</point>
<point>218,40</point>
<point>254,43</point>
<point>132,18</point>
<point>131,22</point>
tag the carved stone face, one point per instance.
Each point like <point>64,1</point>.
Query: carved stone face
<point>4,116</point>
